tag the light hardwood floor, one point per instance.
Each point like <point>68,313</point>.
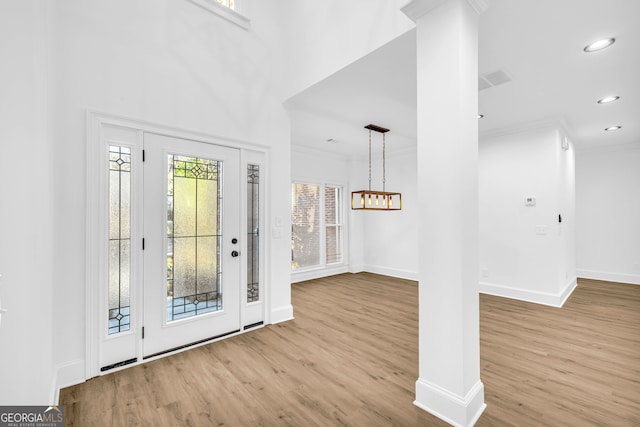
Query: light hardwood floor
<point>350,358</point>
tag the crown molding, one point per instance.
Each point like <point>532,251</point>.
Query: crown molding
<point>416,9</point>
<point>601,149</point>
<point>557,123</point>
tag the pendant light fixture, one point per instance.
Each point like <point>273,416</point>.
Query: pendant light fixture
<point>372,200</point>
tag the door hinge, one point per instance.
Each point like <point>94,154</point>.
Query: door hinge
<point>143,332</point>
<point>143,243</point>
<point>143,155</point>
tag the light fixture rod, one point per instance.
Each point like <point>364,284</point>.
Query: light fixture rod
<point>369,159</point>
<point>381,130</point>
<point>384,163</point>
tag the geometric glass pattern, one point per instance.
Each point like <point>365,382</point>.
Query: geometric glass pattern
<point>119,239</point>
<point>194,200</point>
<point>253,239</point>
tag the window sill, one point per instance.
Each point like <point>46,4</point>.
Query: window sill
<point>316,272</point>
<point>224,12</point>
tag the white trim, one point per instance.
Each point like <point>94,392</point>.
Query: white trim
<point>224,12</point>
<point>172,131</point>
<point>608,148</point>
<point>630,279</point>
<point>66,375</point>
<point>416,9</point>
<point>93,184</point>
<point>553,123</point>
<point>319,272</point>
<point>545,298</point>
<point>281,314</point>
<point>393,272</point>
<point>252,157</point>
<point>455,410</point>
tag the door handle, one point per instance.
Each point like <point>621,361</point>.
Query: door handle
<point>235,253</point>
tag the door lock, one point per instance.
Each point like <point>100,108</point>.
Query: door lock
<point>235,253</point>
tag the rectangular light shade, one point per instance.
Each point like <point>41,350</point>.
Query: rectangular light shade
<point>376,200</point>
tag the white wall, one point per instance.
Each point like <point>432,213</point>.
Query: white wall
<point>318,166</point>
<point>166,62</point>
<point>331,34</point>
<point>525,252</point>
<point>26,211</point>
<point>390,239</point>
<point>608,214</point>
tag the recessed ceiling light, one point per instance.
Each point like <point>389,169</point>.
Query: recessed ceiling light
<point>608,99</point>
<point>613,128</point>
<point>599,45</point>
<point>480,116</point>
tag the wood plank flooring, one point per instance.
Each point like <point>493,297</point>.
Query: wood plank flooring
<point>350,358</point>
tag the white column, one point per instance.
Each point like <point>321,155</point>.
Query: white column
<point>449,385</point>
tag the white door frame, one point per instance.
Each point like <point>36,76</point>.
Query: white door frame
<point>96,227</point>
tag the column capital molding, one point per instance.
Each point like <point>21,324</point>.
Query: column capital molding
<point>415,9</point>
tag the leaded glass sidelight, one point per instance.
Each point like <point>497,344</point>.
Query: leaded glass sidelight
<point>193,236</point>
<point>253,239</point>
<point>119,239</point>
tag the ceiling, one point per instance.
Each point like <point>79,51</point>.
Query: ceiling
<point>539,44</point>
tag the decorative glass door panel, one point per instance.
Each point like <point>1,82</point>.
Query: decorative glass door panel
<point>191,222</point>
<point>119,239</point>
<point>193,236</point>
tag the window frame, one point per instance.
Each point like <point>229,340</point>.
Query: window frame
<point>339,223</point>
<point>342,223</point>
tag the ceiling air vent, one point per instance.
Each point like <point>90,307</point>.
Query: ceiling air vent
<point>494,78</point>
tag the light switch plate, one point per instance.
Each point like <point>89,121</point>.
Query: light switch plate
<point>541,230</point>
<point>275,233</point>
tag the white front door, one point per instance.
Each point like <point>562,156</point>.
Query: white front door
<point>191,276</point>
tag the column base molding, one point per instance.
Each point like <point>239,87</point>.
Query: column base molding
<point>449,407</point>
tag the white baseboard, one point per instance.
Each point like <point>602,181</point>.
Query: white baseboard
<point>545,298</point>
<point>633,279</point>
<point>356,268</point>
<point>65,375</point>
<point>282,314</point>
<point>393,272</point>
<point>301,276</point>
<point>455,410</point>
